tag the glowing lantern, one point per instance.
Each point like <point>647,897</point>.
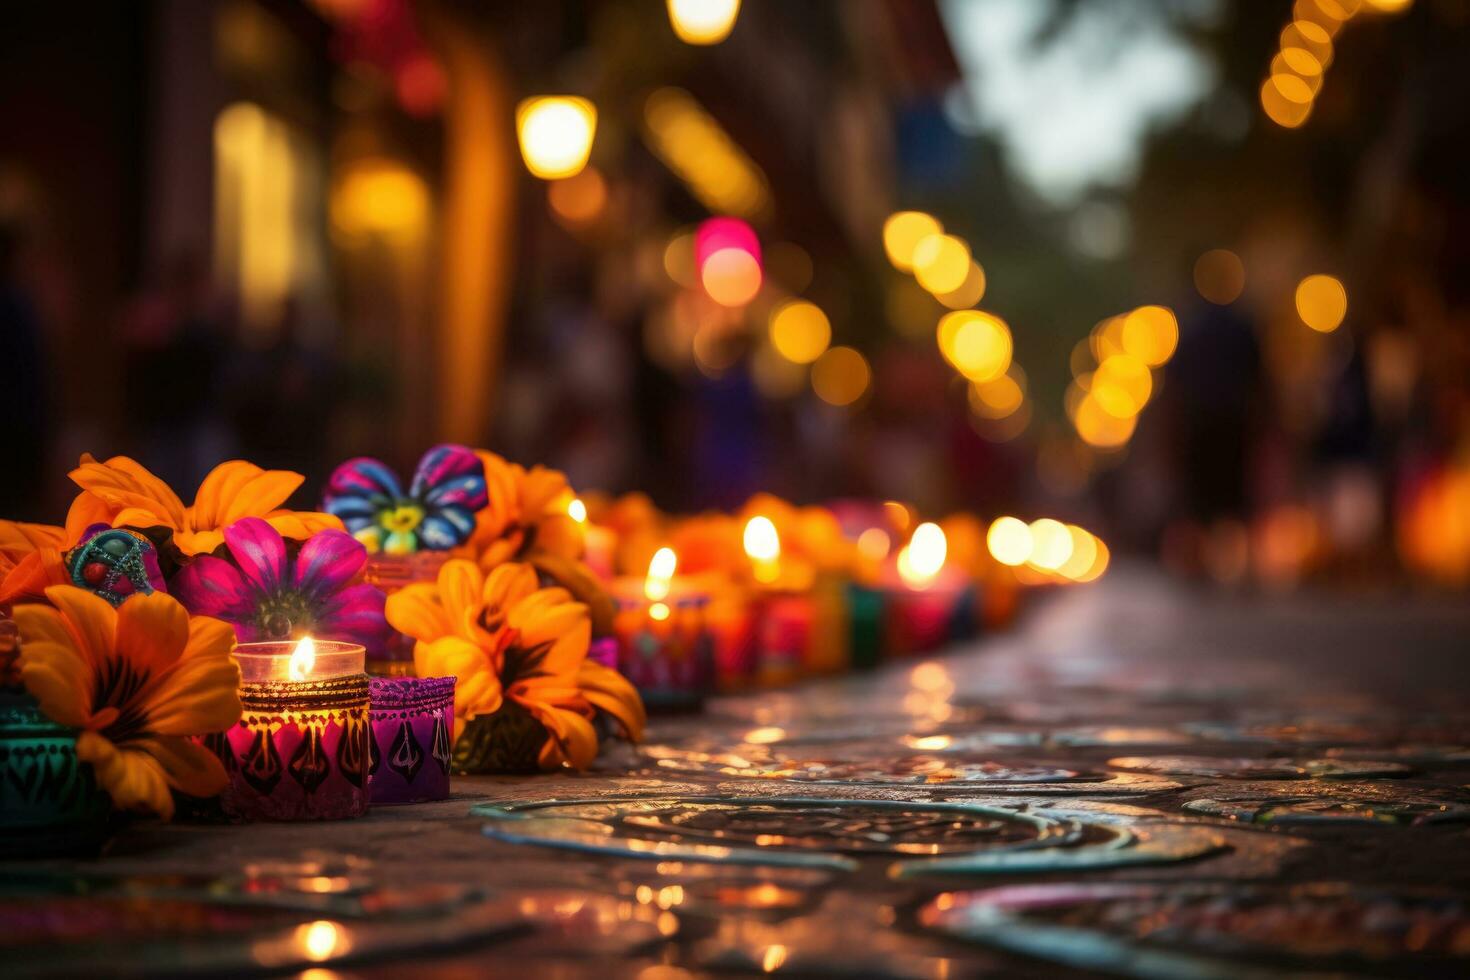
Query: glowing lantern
<point>556,134</point>
<point>703,21</point>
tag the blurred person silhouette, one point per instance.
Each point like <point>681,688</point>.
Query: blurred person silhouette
<point>175,347</point>
<point>25,391</point>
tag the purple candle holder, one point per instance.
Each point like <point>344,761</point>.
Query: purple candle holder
<point>300,750</point>
<point>412,739</point>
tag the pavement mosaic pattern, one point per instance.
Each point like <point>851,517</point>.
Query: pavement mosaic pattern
<point>1139,780</point>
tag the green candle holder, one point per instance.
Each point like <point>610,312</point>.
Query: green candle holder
<point>50,804</point>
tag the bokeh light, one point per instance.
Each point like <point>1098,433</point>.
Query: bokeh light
<point>941,263</point>
<point>731,277</point>
<point>1083,554</point>
<point>556,134</point>
<point>703,22</point>
<point>1219,275</point>
<point>693,145</point>
<point>902,233</point>
<point>800,331</point>
<point>970,292</point>
<point>1009,541</point>
<point>1286,111</point>
<point>1321,302</point>
<point>999,397</point>
<point>978,344</point>
<point>580,199</point>
<point>921,559</point>
<point>1150,334</point>
<point>1051,544</point>
<point>840,376</point>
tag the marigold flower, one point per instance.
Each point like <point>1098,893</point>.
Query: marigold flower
<point>122,493</point>
<point>138,681</point>
<point>509,640</point>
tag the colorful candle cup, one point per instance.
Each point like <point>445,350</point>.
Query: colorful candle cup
<point>301,748</point>
<point>412,739</point>
<point>664,646</point>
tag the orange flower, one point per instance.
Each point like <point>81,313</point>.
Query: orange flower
<point>120,492</point>
<point>526,520</point>
<point>30,560</point>
<point>526,515</point>
<point>506,638</point>
<point>137,681</point>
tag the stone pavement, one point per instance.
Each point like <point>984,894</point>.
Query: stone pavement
<point>1139,779</point>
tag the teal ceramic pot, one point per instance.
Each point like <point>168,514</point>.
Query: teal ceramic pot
<point>49,802</point>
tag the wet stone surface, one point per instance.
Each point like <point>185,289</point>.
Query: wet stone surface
<point>1138,780</point>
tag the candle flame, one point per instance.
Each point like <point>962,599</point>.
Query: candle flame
<point>303,658</point>
<point>577,510</point>
<point>660,574</point>
<point>762,543</point>
<point>922,558</point>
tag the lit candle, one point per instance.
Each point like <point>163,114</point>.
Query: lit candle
<point>300,750</point>
<point>600,543</point>
<point>664,648</point>
<point>784,614</point>
<point>927,598</point>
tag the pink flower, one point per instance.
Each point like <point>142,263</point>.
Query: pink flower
<point>267,595</point>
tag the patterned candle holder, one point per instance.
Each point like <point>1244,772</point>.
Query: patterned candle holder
<point>665,650</point>
<point>412,739</point>
<point>391,573</point>
<point>783,637</point>
<point>50,805</point>
<point>301,748</point>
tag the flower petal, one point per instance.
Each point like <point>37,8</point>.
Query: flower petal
<point>361,482</point>
<point>134,779</point>
<point>210,586</point>
<point>450,474</point>
<point>188,766</point>
<point>573,740</point>
<point>90,622</point>
<point>355,615</point>
<point>86,510</point>
<point>32,575</point>
<point>509,584</point>
<point>18,539</point>
<point>298,525</point>
<point>152,630</point>
<point>238,489</point>
<point>611,692</point>
<point>478,690</point>
<point>328,561</point>
<point>416,610</point>
<point>445,528</point>
<point>460,585</point>
<point>260,551</point>
<point>59,680</point>
<point>121,482</point>
<point>200,694</point>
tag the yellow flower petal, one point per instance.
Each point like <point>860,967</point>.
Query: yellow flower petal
<point>609,691</point>
<point>459,587</point>
<point>89,621</point>
<point>188,766</point>
<point>134,779</point>
<point>478,690</point>
<point>87,509</point>
<point>59,680</point>
<point>508,585</point>
<point>198,542</point>
<point>18,539</point>
<point>151,633</point>
<point>200,694</point>
<point>416,610</point>
<point>32,576</point>
<point>298,525</point>
<point>573,740</point>
<point>121,483</point>
<point>237,489</point>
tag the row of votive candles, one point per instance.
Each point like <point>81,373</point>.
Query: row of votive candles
<point>320,740</point>
<point>690,642</point>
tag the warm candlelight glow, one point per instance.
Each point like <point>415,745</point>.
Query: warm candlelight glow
<point>703,21</point>
<point>873,544</point>
<point>577,510</point>
<point>922,558</point>
<point>660,574</point>
<point>1009,541</point>
<point>763,546</point>
<point>303,659</point>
